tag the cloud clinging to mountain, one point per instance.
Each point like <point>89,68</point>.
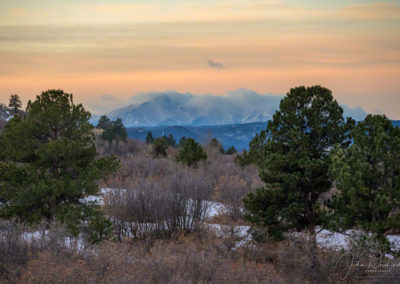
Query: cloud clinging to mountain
<point>174,108</point>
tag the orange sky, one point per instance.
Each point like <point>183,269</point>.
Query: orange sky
<point>118,48</point>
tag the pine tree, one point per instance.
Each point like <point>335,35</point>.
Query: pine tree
<point>182,141</point>
<point>367,175</point>
<point>15,103</point>
<point>104,122</point>
<point>113,130</point>
<point>149,138</point>
<point>191,153</point>
<point>256,153</point>
<point>49,162</point>
<point>295,161</point>
<point>171,140</point>
<point>119,130</point>
<point>160,147</point>
<point>231,150</point>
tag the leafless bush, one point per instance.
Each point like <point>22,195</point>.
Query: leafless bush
<point>118,148</point>
<point>159,205</point>
<point>13,250</point>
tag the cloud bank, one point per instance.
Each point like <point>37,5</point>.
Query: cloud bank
<point>174,108</point>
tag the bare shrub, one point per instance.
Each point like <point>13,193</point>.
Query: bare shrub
<point>118,148</point>
<point>48,267</point>
<point>159,205</point>
<point>13,250</point>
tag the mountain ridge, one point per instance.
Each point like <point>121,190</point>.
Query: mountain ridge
<point>171,108</point>
<point>237,135</point>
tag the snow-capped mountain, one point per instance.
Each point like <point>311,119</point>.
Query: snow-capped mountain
<point>172,108</point>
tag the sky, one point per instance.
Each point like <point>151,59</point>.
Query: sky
<point>105,52</point>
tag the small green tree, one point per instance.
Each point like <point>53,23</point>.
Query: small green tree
<point>15,103</point>
<point>160,147</point>
<point>49,163</point>
<point>367,177</point>
<point>170,140</point>
<point>149,138</point>
<point>113,130</point>
<point>295,163</point>
<point>191,153</point>
<point>231,150</point>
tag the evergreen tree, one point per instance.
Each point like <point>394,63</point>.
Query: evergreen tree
<point>231,150</point>
<point>49,162</point>
<point>119,130</point>
<point>170,140</point>
<point>295,162</point>
<point>367,175</point>
<point>15,103</point>
<point>182,141</point>
<point>149,138</point>
<point>113,130</point>
<point>256,153</point>
<point>191,153</point>
<point>160,147</point>
<point>104,122</point>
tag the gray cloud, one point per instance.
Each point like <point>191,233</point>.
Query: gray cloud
<point>104,103</point>
<point>174,108</point>
<point>214,64</point>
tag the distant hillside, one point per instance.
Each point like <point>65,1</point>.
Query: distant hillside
<point>238,135</point>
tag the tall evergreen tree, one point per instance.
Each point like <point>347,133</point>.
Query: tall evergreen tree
<point>191,153</point>
<point>49,162</point>
<point>119,130</point>
<point>367,175</point>
<point>295,161</point>
<point>15,103</point>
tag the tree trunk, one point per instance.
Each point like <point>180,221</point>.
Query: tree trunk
<point>315,265</point>
<point>52,207</point>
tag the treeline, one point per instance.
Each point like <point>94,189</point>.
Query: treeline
<point>310,169</point>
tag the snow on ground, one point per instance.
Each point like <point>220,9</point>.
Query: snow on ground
<point>215,208</point>
<point>332,240</point>
<point>325,238</point>
<point>212,208</point>
<point>97,199</point>
<point>242,232</point>
<point>44,235</point>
